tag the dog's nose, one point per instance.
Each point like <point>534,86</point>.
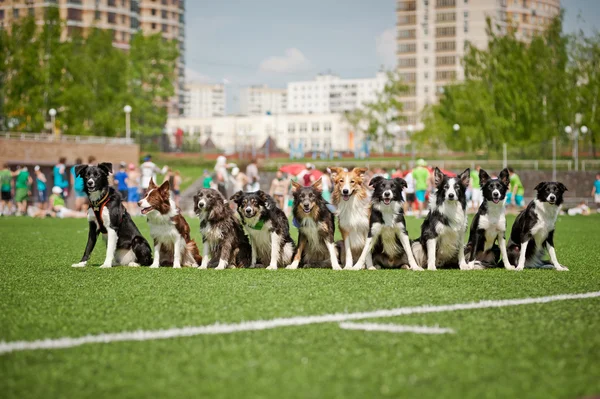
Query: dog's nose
<point>387,194</point>
<point>139,203</point>
<point>248,210</point>
<point>552,197</point>
<point>345,191</point>
<point>451,195</point>
<point>200,205</point>
<point>90,183</point>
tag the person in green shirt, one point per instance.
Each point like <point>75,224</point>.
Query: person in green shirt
<point>22,190</point>
<point>476,196</point>
<point>207,181</point>
<point>516,189</point>
<point>6,181</point>
<point>421,177</point>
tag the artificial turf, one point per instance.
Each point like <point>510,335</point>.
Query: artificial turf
<point>533,351</point>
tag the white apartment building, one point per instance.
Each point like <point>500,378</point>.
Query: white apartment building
<point>432,37</point>
<point>330,93</point>
<point>262,100</point>
<point>205,100</point>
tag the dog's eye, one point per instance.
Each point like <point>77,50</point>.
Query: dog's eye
<point>352,182</point>
<point>446,186</point>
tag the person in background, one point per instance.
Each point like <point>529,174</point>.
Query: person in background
<point>253,177</point>
<point>176,188</point>
<point>517,191</point>
<point>307,175</point>
<point>23,184</point>
<point>278,189</point>
<point>6,183</point>
<point>133,189</point>
<point>41,184</point>
<point>239,180</point>
<point>91,160</point>
<point>326,185</point>
<point>421,176</point>
<point>148,170</point>
<point>411,198</point>
<point>58,208</point>
<point>59,172</point>
<point>476,196</point>
<point>221,175</point>
<point>81,203</point>
<point>121,181</point>
<point>581,209</point>
<point>207,181</point>
<point>596,191</point>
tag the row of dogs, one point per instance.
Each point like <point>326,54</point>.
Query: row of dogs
<point>371,221</point>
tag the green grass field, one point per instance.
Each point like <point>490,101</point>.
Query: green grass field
<point>549,350</point>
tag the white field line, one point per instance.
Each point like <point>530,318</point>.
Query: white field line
<point>395,328</point>
<point>257,325</point>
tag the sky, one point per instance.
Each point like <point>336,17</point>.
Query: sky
<point>244,42</point>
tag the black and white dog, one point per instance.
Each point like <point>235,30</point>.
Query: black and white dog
<point>489,224</point>
<point>224,243</point>
<point>387,239</point>
<point>442,238</point>
<point>534,228</point>
<point>125,245</point>
<point>267,227</point>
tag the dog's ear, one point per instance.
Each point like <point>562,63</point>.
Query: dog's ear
<point>164,188</point>
<point>296,186</point>
<point>540,186</point>
<point>106,166</point>
<point>151,185</point>
<point>465,177</point>
<point>562,187</point>
<point>359,172</point>
<point>438,176</point>
<point>335,171</point>
<point>80,170</point>
<point>483,177</point>
<point>318,185</point>
<point>504,177</point>
<point>375,181</point>
<point>267,199</point>
<point>237,197</point>
<point>401,182</point>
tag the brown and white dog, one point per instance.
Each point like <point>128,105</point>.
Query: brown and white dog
<point>170,231</point>
<point>352,200</point>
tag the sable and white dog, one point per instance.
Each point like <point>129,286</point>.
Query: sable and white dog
<point>224,242</point>
<point>533,229</point>
<point>267,227</point>
<point>351,198</point>
<point>489,224</point>
<point>388,239</point>
<point>171,233</point>
<point>442,238</point>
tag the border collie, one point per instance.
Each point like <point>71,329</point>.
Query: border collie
<point>224,243</point>
<point>442,238</point>
<point>316,228</point>
<point>388,238</point>
<point>534,228</point>
<point>267,227</point>
<point>171,233</point>
<point>125,245</point>
<point>489,224</point>
<point>351,198</point>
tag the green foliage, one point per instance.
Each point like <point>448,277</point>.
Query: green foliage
<point>86,79</point>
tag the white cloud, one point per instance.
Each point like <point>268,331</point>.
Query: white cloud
<point>385,44</point>
<point>292,61</point>
<point>196,77</point>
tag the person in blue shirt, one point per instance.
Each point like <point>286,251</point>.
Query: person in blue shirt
<point>59,174</point>
<point>41,181</point>
<point>121,181</point>
<point>81,203</point>
<point>596,191</point>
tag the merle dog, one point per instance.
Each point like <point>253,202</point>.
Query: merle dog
<point>443,230</point>
<point>125,245</point>
<point>534,228</point>
<point>267,227</point>
<point>489,224</point>
<point>224,243</point>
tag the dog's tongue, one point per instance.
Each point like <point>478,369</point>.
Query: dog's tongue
<point>346,197</point>
<point>496,200</point>
<point>387,201</point>
<point>145,210</point>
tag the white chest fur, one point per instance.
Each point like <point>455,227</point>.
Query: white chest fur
<point>493,222</point>
<point>311,230</point>
<point>353,217</point>
<point>449,235</point>
<point>388,231</point>
<point>260,239</point>
<point>547,215</point>
<point>162,228</point>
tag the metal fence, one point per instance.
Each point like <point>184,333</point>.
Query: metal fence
<point>51,138</point>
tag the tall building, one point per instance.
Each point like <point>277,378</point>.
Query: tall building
<point>330,93</point>
<point>432,37</point>
<point>123,17</point>
<point>205,100</point>
<point>262,100</point>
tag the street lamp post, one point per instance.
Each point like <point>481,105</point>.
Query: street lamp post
<point>574,135</point>
<point>52,113</point>
<point>127,109</point>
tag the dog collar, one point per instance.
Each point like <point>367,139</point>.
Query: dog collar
<point>99,204</point>
<point>259,225</point>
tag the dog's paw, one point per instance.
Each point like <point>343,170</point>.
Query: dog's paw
<point>508,266</point>
<point>561,268</point>
<point>465,266</point>
<point>293,266</point>
<point>358,266</point>
<point>336,267</point>
<point>154,266</point>
<point>371,267</point>
<point>417,268</point>
<point>106,266</point>
<point>203,266</point>
<point>133,264</point>
<point>519,268</point>
<point>272,267</point>
<point>433,268</point>
<point>176,266</point>
<point>194,265</point>
<point>80,264</point>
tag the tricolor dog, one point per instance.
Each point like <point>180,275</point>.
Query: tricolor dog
<point>443,231</point>
<point>489,224</point>
<point>533,229</point>
<point>316,228</point>
<point>224,243</point>
<point>351,198</point>
<point>267,227</point>
<point>388,240</point>
<point>125,245</point>
<point>173,245</point>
